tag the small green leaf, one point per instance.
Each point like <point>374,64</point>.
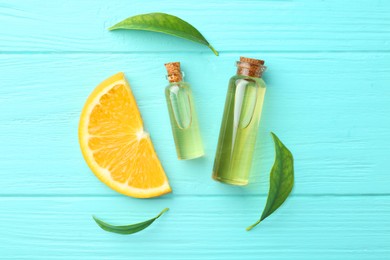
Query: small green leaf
<point>163,23</point>
<point>127,229</point>
<point>281,180</point>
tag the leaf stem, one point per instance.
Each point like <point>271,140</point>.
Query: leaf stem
<point>214,50</point>
<point>162,212</point>
<point>253,225</point>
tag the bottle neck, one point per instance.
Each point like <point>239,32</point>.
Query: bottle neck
<point>251,70</point>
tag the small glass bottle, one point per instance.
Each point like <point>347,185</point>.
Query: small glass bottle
<point>240,123</point>
<point>181,108</point>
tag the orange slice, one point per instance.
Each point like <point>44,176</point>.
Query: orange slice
<point>115,145</point>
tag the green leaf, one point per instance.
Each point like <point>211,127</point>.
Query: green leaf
<point>163,23</point>
<point>281,180</point>
<point>127,229</point>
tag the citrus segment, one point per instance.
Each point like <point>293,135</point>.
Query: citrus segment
<point>115,145</point>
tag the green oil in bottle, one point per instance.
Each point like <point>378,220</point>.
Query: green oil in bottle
<point>182,114</point>
<point>240,123</point>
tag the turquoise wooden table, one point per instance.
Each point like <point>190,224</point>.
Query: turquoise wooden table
<point>328,99</point>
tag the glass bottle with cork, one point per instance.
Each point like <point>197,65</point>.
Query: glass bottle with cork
<point>182,114</point>
<point>240,123</point>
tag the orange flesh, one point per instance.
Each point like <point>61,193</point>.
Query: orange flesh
<point>116,142</point>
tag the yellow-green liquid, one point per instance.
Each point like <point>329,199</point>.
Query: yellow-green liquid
<point>184,121</point>
<point>240,123</point>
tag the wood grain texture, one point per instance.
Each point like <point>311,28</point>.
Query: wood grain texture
<point>229,26</point>
<point>327,99</point>
<point>196,228</point>
<point>331,117</point>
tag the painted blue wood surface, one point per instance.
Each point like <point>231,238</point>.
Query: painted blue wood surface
<point>328,99</point>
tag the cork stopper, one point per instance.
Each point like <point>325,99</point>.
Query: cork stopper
<point>250,67</point>
<point>252,61</point>
<point>174,72</point>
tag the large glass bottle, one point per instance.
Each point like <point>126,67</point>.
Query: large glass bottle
<point>240,123</point>
<point>184,121</point>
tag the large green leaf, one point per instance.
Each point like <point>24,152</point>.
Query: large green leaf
<point>281,180</point>
<point>163,23</point>
<point>127,229</point>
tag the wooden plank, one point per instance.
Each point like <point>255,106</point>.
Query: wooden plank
<point>304,25</point>
<point>196,227</point>
<point>333,116</point>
